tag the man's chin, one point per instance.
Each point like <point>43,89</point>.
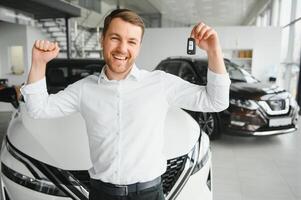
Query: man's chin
<point>119,69</point>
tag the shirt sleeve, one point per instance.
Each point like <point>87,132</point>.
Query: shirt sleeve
<point>40,104</point>
<point>214,97</point>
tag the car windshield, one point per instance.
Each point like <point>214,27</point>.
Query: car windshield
<point>237,74</point>
<point>62,72</point>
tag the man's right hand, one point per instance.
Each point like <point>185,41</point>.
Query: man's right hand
<point>42,52</point>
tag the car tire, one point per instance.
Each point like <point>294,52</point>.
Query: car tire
<point>209,123</point>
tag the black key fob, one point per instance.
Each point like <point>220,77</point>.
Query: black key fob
<point>191,46</point>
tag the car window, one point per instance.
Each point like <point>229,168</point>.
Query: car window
<point>202,68</point>
<point>61,73</point>
<point>79,73</point>
<point>237,74</point>
<point>187,72</point>
<point>170,66</point>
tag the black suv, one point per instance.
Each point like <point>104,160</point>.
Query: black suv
<point>255,108</point>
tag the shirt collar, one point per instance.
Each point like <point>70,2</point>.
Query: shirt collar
<point>134,74</point>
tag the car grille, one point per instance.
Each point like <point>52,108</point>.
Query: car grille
<point>174,169</point>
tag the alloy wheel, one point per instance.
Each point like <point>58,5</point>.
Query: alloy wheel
<point>206,122</point>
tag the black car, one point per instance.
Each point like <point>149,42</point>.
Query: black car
<point>255,108</point>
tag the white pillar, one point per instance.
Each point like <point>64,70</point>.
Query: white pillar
<point>289,55</point>
<point>275,13</point>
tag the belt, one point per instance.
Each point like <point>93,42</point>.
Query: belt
<point>124,190</point>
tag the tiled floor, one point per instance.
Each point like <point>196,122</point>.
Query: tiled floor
<point>247,168</point>
<point>267,168</point>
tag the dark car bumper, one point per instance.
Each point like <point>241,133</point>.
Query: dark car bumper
<point>260,133</point>
<point>239,121</point>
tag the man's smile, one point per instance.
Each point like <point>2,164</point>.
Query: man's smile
<point>119,57</point>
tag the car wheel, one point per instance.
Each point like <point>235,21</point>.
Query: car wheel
<point>209,124</point>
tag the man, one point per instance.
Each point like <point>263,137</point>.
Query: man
<point>125,107</point>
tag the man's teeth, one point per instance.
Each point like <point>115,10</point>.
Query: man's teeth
<point>120,57</point>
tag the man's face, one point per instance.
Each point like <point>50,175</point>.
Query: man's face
<point>121,45</point>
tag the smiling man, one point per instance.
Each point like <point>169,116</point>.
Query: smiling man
<point>121,43</point>
<point>125,107</point>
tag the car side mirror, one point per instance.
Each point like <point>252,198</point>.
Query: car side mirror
<point>9,95</point>
<point>272,79</point>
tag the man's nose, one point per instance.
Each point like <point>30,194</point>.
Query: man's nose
<point>122,46</point>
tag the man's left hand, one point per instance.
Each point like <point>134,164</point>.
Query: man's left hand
<point>205,37</point>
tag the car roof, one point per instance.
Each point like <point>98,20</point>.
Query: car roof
<point>191,58</point>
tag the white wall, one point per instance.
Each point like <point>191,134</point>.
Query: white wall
<point>265,42</point>
<point>32,34</point>
<point>11,35</point>
<point>16,35</point>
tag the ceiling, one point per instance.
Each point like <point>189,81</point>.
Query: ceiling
<point>167,13</point>
<point>41,9</point>
<point>189,12</point>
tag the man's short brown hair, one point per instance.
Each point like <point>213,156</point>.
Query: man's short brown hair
<point>126,15</point>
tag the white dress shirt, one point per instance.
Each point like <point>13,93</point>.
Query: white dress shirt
<point>125,119</point>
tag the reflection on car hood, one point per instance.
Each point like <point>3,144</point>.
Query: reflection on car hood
<point>63,142</point>
<point>255,91</point>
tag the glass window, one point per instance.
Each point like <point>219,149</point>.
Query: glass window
<point>275,12</point>
<point>187,68</point>
<point>298,9</point>
<point>297,42</point>
<point>239,75</point>
<point>284,42</point>
<point>285,10</point>
<point>171,67</point>
<point>266,17</point>
<point>187,73</point>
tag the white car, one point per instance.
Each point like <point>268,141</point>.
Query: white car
<point>49,158</point>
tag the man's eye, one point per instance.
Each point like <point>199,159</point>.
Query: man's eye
<point>132,42</point>
<point>114,38</point>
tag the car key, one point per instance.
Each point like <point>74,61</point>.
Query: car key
<point>191,46</point>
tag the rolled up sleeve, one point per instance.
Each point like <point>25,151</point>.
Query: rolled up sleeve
<point>214,97</point>
<point>34,88</point>
<point>40,104</point>
<point>218,89</point>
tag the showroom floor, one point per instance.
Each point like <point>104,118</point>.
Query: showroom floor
<point>266,168</point>
<point>246,168</point>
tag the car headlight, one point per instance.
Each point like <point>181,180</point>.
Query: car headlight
<point>245,103</point>
<point>201,162</point>
<point>44,178</point>
<point>37,182</point>
<point>202,150</point>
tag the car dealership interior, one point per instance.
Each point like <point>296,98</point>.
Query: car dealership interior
<point>249,151</point>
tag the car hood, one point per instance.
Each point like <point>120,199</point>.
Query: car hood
<point>256,91</point>
<point>63,142</point>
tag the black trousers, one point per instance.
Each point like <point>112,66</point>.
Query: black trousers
<point>153,193</point>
